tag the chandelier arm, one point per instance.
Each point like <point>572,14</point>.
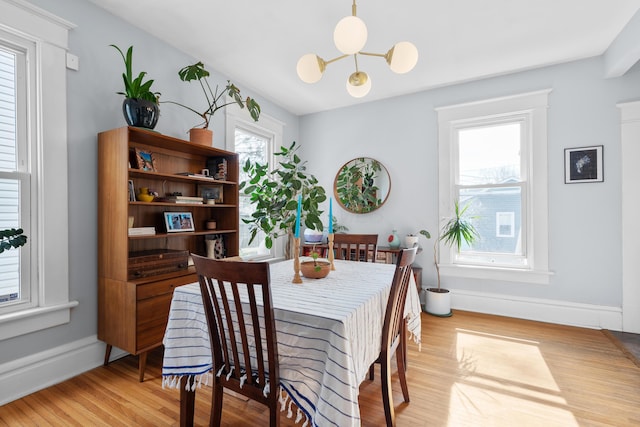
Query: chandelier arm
<point>335,59</point>
<point>353,8</point>
<point>383,55</point>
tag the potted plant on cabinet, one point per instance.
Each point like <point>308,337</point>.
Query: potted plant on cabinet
<point>275,196</point>
<point>411,239</point>
<point>140,106</point>
<point>457,230</point>
<point>201,133</point>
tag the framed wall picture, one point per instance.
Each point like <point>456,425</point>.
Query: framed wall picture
<point>144,160</point>
<point>211,192</point>
<point>583,164</point>
<point>179,222</point>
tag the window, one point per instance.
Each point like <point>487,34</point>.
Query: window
<point>493,159</point>
<point>33,169</point>
<point>256,142</point>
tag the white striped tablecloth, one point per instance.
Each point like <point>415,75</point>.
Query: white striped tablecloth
<point>329,332</point>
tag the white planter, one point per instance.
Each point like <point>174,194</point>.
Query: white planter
<point>438,303</point>
<point>410,241</point>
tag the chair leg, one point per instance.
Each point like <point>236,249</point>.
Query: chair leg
<point>401,358</point>
<point>217,392</point>
<point>387,395</point>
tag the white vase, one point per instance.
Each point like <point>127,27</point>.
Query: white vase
<point>410,241</point>
<point>438,303</point>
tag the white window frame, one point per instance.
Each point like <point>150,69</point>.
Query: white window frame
<point>269,128</point>
<point>45,138</point>
<point>533,108</point>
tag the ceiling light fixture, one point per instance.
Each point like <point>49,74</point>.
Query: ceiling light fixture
<point>350,36</point>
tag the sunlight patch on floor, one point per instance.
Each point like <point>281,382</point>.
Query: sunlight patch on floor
<point>502,381</point>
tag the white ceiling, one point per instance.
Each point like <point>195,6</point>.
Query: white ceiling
<point>257,43</point>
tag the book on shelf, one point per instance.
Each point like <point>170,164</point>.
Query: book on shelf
<point>142,231</point>
<point>181,199</point>
<point>195,175</point>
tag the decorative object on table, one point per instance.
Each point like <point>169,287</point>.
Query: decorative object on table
<point>393,240</point>
<point>177,222</point>
<point>12,238</point>
<point>215,101</point>
<point>457,230</point>
<point>213,193</point>
<point>362,185</point>
<point>140,106</point>
<point>316,268</point>
<point>145,195</point>
<point>411,240</point>
<point>144,160</point>
<point>350,36</point>
<point>275,196</point>
<point>331,236</point>
<point>296,261</point>
<point>583,164</point>
<point>312,236</point>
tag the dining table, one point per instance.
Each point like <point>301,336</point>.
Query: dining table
<point>328,331</point>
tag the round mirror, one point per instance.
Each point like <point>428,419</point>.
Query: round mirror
<point>362,185</point>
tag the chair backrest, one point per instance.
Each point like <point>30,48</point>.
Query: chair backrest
<point>356,247</point>
<point>242,332</point>
<point>393,324</point>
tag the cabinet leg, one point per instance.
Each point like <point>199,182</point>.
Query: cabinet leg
<point>142,365</point>
<point>107,354</point>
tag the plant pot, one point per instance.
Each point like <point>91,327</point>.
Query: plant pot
<point>201,136</point>
<point>140,112</point>
<point>312,236</point>
<point>438,302</point>
<point>411,241</point>
<point>308,269</point>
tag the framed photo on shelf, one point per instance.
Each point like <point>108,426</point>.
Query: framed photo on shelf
<point>211,192</point>
<point>583,164</point>
<point>132,192</point>
<point>145,161</point>
<point>178,222</point>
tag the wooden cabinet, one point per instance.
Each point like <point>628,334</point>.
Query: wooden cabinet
<point>132,312</point>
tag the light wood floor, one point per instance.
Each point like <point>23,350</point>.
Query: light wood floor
<point>473,370</point>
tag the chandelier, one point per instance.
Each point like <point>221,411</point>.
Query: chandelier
<point>350,36</point>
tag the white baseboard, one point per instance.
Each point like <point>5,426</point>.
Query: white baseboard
<point>542,310</point>
<point>38,371</point>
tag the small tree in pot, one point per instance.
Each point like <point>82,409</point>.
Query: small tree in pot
<point>275,195</point>
<point>457,230</point>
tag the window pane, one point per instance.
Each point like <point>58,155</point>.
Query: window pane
<point>7,110</point>
<point>497,216</point>
<point>489,154</point>
<point>254,148</point>
<point>9,260</point>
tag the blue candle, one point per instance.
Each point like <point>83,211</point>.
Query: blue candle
<point>297,234</point>
<point>330,215</point>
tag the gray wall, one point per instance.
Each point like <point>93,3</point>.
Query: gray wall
<point>93,106</point>
<point>584,219</point>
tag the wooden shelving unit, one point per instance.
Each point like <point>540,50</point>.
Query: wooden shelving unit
<point>132,312</point>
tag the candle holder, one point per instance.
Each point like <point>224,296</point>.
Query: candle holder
<point>331,251</point>
<point>296,261</point>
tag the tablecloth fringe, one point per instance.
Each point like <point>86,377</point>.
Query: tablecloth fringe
<point>173,381</point>
<point>285,404</point>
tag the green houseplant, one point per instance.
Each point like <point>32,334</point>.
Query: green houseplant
<point>458,229</point>
<point>214,98</point>
<point>411,239</point>
<point>12,238</point>
<point>140,106</point>
<point>275,196</point>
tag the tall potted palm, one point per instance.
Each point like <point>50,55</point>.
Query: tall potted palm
<point>275,196</point>
<point>12,238</point>
<point>457,230</point>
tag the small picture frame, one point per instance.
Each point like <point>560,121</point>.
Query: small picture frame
<point>583,164</point>
<point>132,191</point>
<point>211,192</point>
<point>145,161</point>
<point>178,222</point>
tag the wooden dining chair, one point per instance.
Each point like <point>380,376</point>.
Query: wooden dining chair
<point>394,333</point>
<point>236,298</point>
<point>355,247</point>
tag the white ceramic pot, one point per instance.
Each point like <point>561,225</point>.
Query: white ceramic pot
<point>410,241</point>
<point>312,236</point>
<point>438,303</point>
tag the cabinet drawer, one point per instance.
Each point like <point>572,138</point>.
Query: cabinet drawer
<point>151,320</point>
<point>162,287</point>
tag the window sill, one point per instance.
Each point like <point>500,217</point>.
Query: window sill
<point>496,273</point>
<point>35,319</point>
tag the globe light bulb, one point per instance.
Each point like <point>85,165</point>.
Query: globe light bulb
<point>350,35</point>
<point>402,57</point>
<point>358,84</point>
<point>310,68</point>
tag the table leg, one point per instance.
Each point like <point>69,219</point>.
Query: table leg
<point>187,402</point>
